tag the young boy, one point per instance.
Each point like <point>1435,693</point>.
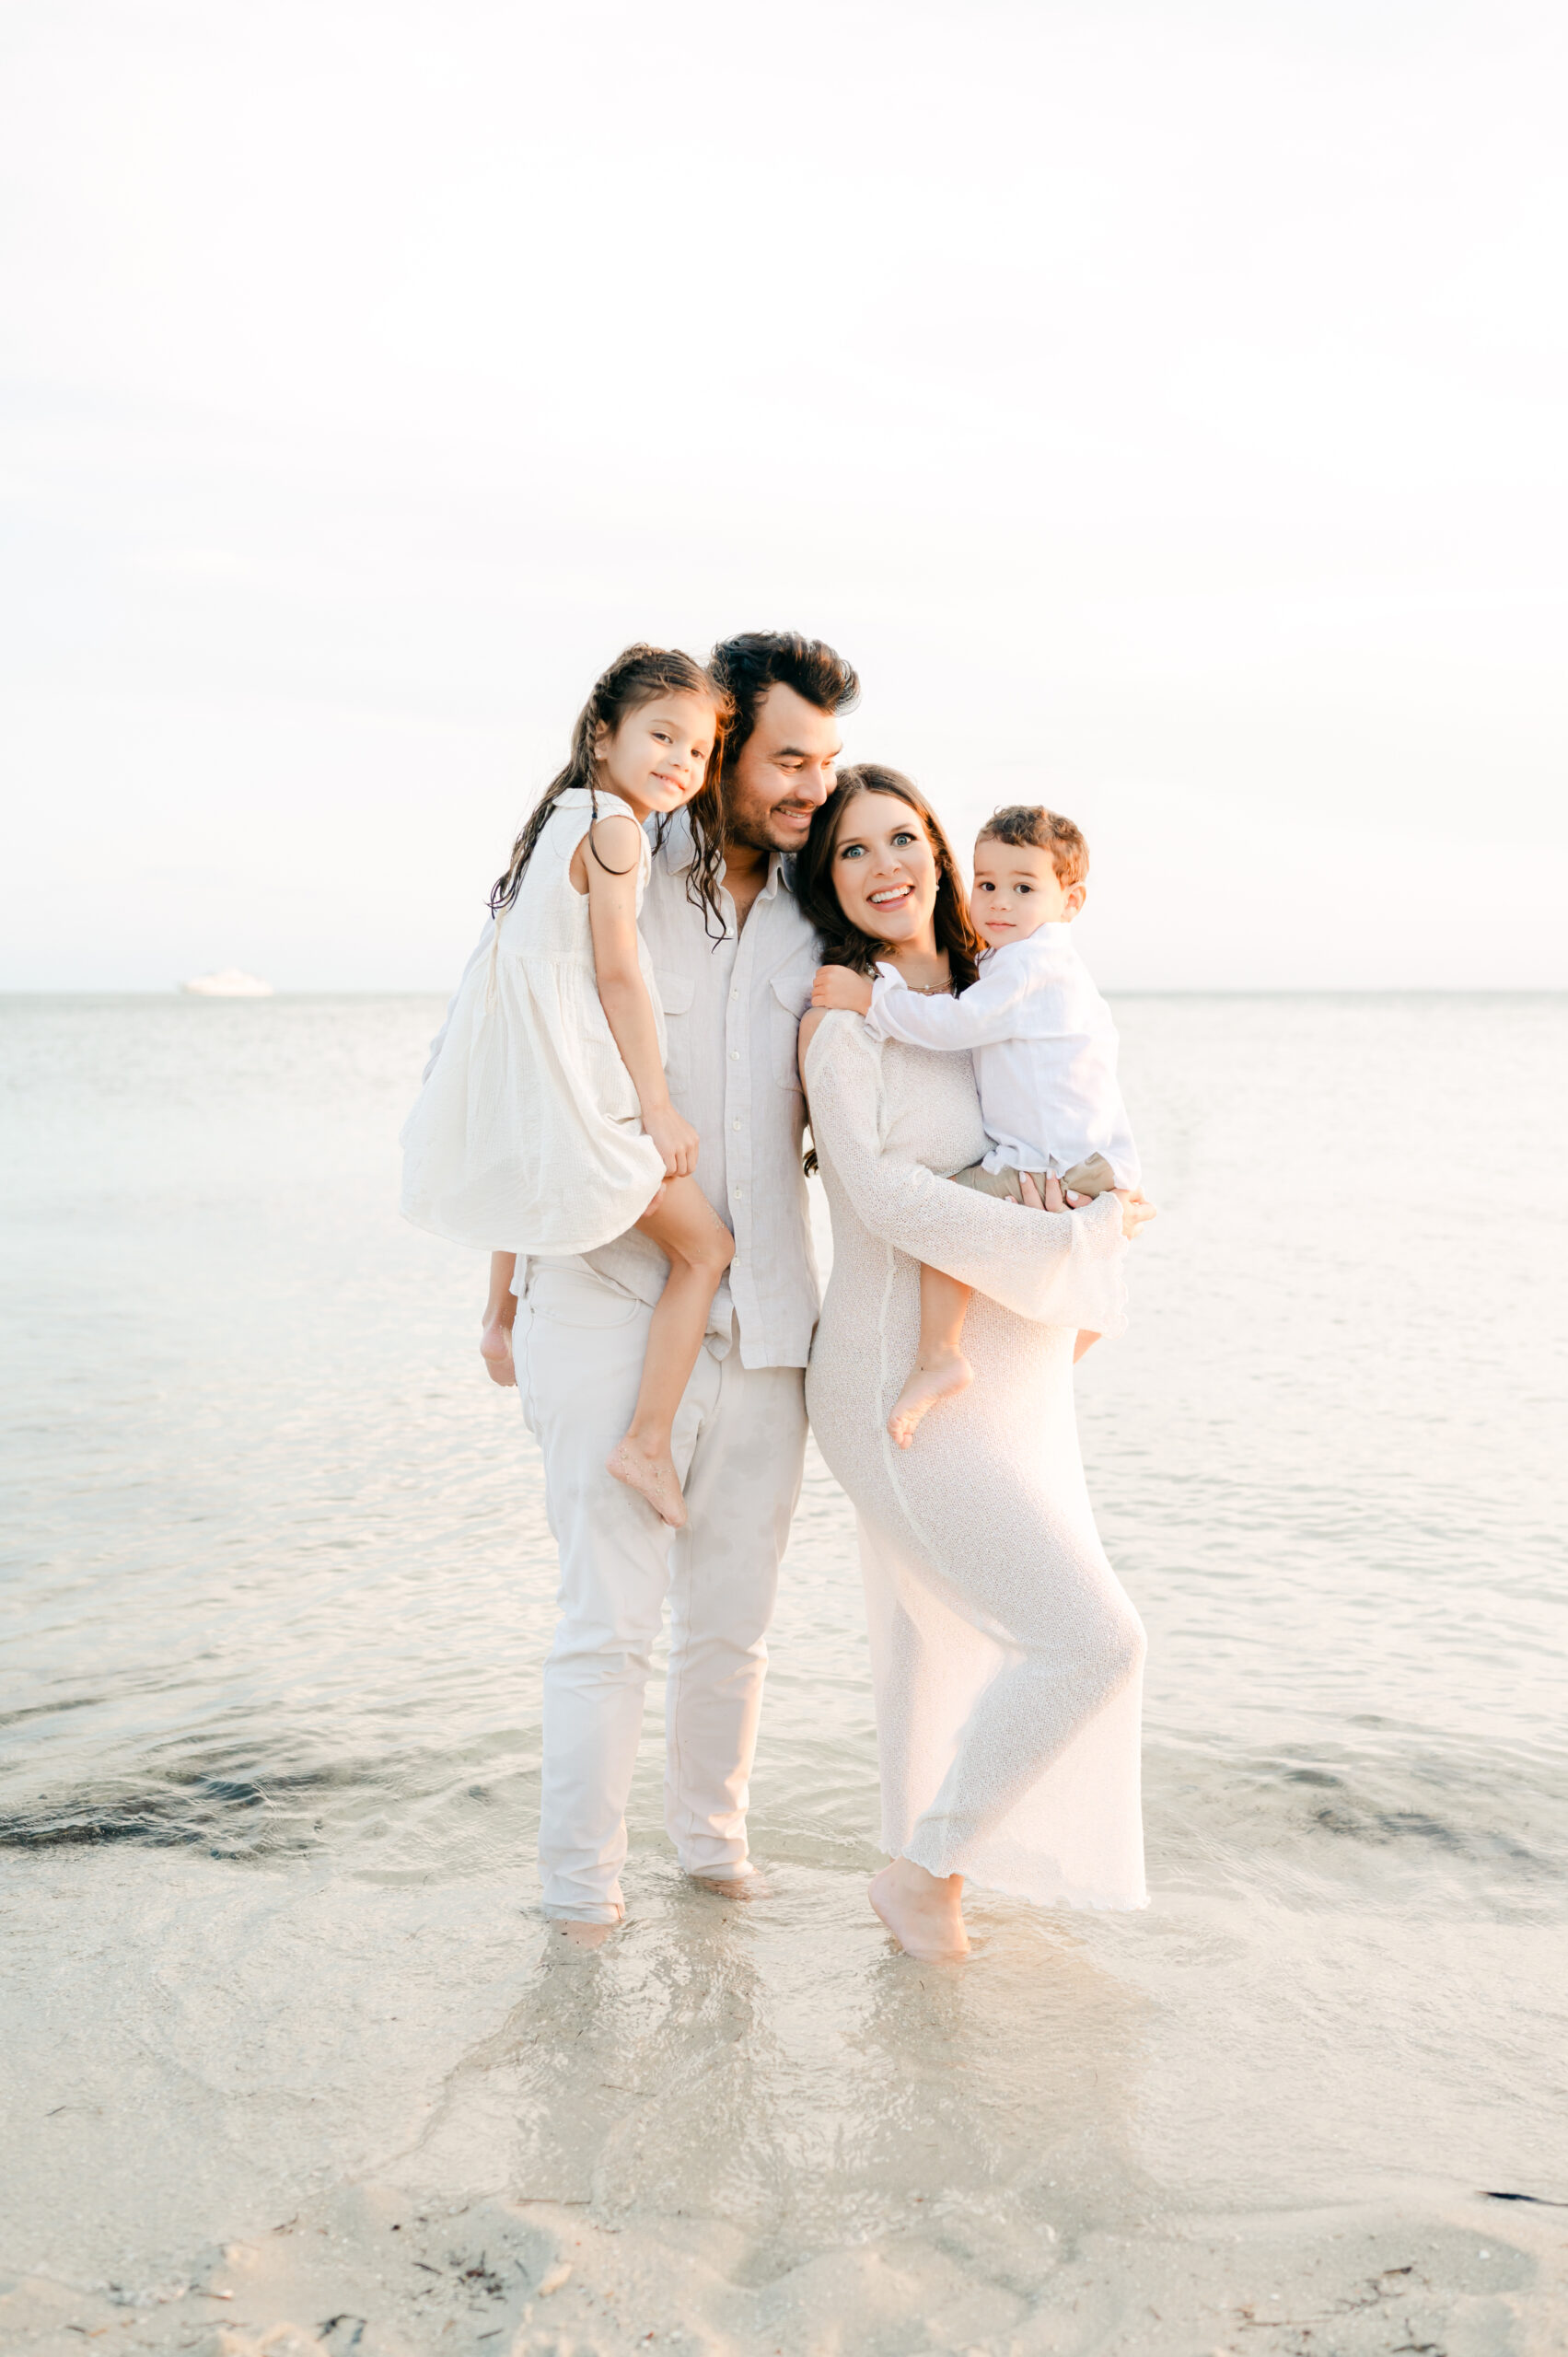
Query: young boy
<point>1044,1052</point>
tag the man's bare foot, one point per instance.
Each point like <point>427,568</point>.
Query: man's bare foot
<point>742,1886</point>
<point>496,1350</point>
<point>924,1912</point>
<point>584,1936</point>
<point>653,1478</point>
<point>949,1374</point>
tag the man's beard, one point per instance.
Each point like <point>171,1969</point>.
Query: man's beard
<point>756,830</point>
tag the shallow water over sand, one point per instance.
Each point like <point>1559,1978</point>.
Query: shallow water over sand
<point>280,1585</point>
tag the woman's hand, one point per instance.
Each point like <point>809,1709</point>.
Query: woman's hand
<point>1136,1210</point>
<point>1055,1200</point>
<point>837,987</point>
<point>676,1140</point>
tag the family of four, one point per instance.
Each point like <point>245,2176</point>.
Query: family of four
<point>708,936</point>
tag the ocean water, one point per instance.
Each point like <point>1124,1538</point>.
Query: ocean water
<point>277,1585</point>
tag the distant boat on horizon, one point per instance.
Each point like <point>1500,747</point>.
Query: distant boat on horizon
<point>227,982</point>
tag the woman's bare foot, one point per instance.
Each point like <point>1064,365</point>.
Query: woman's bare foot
<point>924,1912</point>
<point>653,1478</point>
<point>947,1374</point>
<point>496,1350</point>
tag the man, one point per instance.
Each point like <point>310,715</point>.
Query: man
<point>732,1009</point>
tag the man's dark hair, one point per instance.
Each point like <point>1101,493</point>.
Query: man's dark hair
<point>748,666</point>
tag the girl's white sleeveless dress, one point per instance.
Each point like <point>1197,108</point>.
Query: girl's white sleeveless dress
<point>528,1136</point>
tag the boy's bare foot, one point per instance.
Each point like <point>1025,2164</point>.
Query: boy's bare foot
<point>496,1350</point>
<point>653,1478</point>
<point>924,1912</point>
<point>949,1374</point>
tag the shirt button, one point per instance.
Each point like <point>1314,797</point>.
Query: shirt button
<point>735,1125</point>
<point>735,1055</point>
<point>735,994</point>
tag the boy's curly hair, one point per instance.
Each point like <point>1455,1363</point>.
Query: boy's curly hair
<point>1028,823</point>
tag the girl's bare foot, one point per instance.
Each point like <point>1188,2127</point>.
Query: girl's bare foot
<point>943,1378</point>
<point>653,1478</point>
<point>924,1912</point>
<point>496,1350</point>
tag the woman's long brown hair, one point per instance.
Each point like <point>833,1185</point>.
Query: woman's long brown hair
<point>845,943</point>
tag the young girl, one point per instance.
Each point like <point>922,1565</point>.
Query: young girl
<point>545,1119</point>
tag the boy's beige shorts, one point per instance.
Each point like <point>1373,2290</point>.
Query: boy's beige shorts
<point>1091,1178</point>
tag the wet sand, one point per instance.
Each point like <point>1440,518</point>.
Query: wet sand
<point>748,2130</point>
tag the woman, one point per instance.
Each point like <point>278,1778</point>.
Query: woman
<point>1007,1659</point>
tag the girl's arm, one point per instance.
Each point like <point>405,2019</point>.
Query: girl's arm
<point>1057,1268</point>
<point>624,994</point>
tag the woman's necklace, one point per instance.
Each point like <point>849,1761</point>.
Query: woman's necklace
<point>925,990</point>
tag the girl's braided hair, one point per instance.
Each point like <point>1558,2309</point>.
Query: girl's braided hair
<point>636,677</point>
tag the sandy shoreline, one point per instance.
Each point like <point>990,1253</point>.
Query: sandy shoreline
<point>366,2273</point>
<point>385,2118</point>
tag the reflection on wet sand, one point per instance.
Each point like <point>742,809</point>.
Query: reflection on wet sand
<point>782,2074</point>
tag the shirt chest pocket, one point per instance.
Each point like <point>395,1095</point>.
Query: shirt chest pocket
<point>676,994</point>
<point>783,1032</point>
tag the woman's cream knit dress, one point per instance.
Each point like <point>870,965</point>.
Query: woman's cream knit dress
<point>1008,1661</point>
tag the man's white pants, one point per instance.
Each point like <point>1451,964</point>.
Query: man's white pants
<point>739,1441</point>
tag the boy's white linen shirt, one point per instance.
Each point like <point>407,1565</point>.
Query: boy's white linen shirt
<point>732,1011</point>
<point>1044,1046</point>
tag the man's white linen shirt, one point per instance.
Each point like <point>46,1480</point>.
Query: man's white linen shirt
<point>732,1009</point>
<point>1044,1046</point>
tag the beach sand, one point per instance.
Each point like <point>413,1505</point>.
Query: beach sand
<point>399,2119</point>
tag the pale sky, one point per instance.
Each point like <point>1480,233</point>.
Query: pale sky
<point>1163,406</point>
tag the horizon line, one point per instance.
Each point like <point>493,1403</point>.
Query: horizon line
<point>175,992</point>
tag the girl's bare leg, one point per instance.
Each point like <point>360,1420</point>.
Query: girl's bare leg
<point>500,1316</point>
<point>940,1370</point>
<point>700,1247</point>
